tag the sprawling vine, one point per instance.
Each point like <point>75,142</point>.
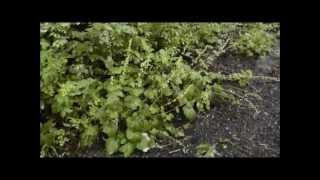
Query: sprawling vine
<point>126,82</point>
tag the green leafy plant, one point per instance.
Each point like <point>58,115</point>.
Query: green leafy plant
<point>205,150</point>
<point>254,40</point>
<point>126,82</point>
<point>51,139</point>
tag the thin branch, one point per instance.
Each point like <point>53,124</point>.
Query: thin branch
<point>174,151</point>
<point>266,78</point>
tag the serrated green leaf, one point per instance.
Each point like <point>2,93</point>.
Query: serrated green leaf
<point>146,143</point>
<point>117,93</point>
<point>112,145</point>
<point>151,93</point>
<point>189,112</point>
<point>154,109</point>
<point>166,91</point>
<point>136,91</point>
<point>89,135</point>
<point>154,131</point>
<point>176,132</point>
<point>186,126</point>
<point>182,99</point>
<point>112,87</point>
<point>180,132</point>
<point>205,150</point>
<point>191,92</point>
<point>110,128</point>
<point>127,149</point>
<point>133,102</point>
<point>116,70</point>
<point>199,106</point>
<point>109,63</point>
<point>133,123</point>
<point>112,99</point>
<point>168,116</point>
<point>133,136</point>
<point>122,138</point>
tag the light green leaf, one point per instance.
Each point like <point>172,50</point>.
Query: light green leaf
<point>133,102</point>
<point>133,136</point>
<point>133,123</point>
<point>199,106</point>
<point>136,91</point>
<point>180,132</point>
<point>122,138</point>
<point>89,135</point>
<point>154,109</point>
<point>205,150</point>
<point>154,131</point>
<point>116,70</point>
<point>112,145</point>
<point>146,143</point>
<point>189,112</point>
<point>166,91</point>
<point>118,93</point>
<point>109,63</point>
<point>151,93</point>
<point>112,99</point>
<point>186,126</point>
<point>110,128</point>
<point>127,149</point>
<point>182,99</point>
<point>168,116</point>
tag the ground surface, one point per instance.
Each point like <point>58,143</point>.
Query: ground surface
<point>235,131</point>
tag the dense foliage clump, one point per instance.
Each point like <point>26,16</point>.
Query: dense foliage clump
<point>126,82</point>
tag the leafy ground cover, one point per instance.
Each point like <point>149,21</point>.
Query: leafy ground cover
<point>159,89</point>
